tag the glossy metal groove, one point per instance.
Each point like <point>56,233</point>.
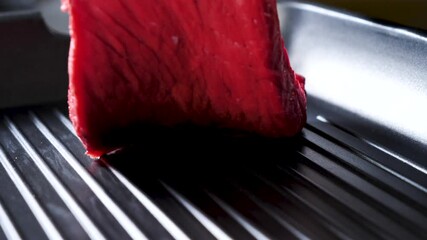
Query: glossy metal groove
<point>68,199</point>
<point>208,207</point>
<point>86,199</point>
<point>356,179</point>
<point>135,203</point>
<point>274,213</point>
<point>166,222</point>
<point>204,220</point>
<point>403,159</point>
<point>334,216</point>
<point>391,163</point>
<point>19,211</point>
<point>30,199</point>
<point>6,224</point>
<point>122,218</point>
<point>342,189</point>
<point>256,233</point>
<point>2,235</point>
<point>175,210</point>
<point>327,168</point>
<point>288,206</point>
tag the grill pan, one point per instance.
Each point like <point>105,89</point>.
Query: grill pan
<point>352,173</point>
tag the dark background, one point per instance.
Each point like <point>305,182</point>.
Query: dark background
<point>411,13</point>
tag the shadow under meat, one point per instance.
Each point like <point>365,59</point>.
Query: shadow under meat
<point>200,155</point>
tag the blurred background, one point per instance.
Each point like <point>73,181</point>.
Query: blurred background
<point>411,13</point>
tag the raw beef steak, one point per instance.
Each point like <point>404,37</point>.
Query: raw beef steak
<point>218,63</point>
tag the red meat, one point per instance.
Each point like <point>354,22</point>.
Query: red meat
<point>215,63</point>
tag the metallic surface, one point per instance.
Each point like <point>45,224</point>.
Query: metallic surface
<point>324,184</point>
<point>348,175</point>
<point>376,73</point>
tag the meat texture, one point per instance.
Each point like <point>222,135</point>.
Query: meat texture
<point>215,63</point>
